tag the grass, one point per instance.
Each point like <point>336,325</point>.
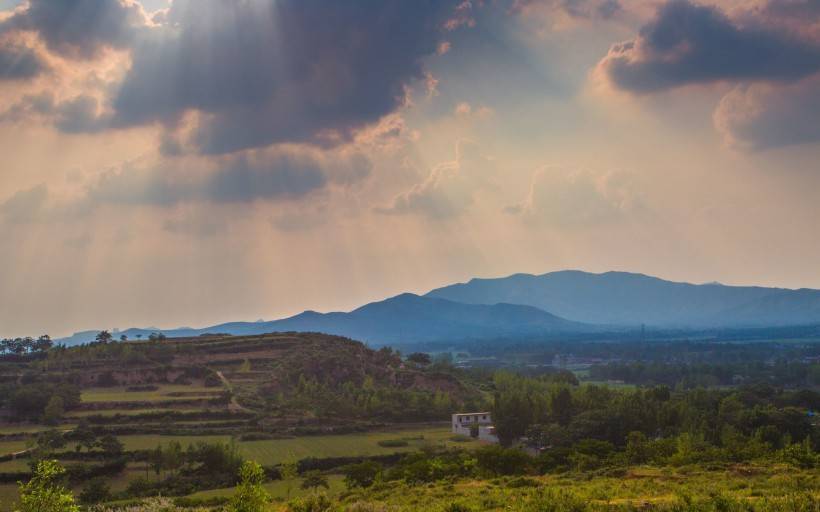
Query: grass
<point>639,486</point>
<point>278,489</point>
<point>120,394</point>
<point>274,451</point>
<point>12,446</point>
<point>129,412</point>
<point>365,444</point>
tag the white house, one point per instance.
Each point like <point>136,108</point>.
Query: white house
<point>475,424</point>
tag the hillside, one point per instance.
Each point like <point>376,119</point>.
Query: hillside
<point>621,298</point>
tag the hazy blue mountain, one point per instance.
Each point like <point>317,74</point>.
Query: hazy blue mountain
<point>621,298</point>
<point>404,318</point>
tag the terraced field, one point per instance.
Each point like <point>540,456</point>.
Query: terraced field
<point>163,393</point>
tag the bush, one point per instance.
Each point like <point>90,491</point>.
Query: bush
<point>363,474</point>
<point>146,387</point>
<point>250,496</point>
<point>496,460</point>
<point>313,503</point>
<point>393,443</point>
<point>44,493</point>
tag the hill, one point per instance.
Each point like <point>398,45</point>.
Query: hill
<point>627,299</point>
<point>404,318</point>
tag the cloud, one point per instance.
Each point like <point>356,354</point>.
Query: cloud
<point>578,198</point>
<point>762,116</point>
<point>687,43</point>
<point>587,9</point>
<point>19,62</point>
<point>80,114</point>
<point>269,176</point>
<point>449,189</point>
<point>278,71</point>
<point>25,205</point>
<point>80,29</point>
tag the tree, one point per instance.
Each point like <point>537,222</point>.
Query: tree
<point>44,493</point>
<point>103,337</point>
<point>95,491</point>
<point>124,338</point>
<point>43,343</point>
<point>314,479</point>
<point>420,358</point>
<point>250,495</point>
<point>109,444</point>
<point>289,470</point>
<point>363,474</point>
<point>54,410</point>
<point>85,436</point>
<point>562,406</point>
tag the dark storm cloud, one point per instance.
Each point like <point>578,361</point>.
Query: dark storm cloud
<point>688,43</point>
<point>80,28</point>
<point>274,71</point>
<point>797,9</point>
<point>19,62</point>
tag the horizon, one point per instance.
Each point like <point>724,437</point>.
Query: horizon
<point>364,302</point>
<point>199,161</point>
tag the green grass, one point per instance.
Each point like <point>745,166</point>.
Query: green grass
<point>149,442</point>
<point>635,489</point>
<point>30,429</point>
<point>119,394</point>
<point>274,451</point>
<point>130,412</point>
<point>12,446</point>
<point>9,494</point>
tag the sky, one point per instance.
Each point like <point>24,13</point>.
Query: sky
<point>199,161</point>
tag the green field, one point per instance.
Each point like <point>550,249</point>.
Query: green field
<point>12,446</point>
<point>120,394</point>
<point>129,412</point>
<point>274,451</point>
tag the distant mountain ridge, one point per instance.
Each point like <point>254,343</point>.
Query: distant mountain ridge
<point>405,318</point>
<point>629,299</point>
<point>553,304</point>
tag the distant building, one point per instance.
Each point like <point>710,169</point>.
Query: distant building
<point>475,424</point>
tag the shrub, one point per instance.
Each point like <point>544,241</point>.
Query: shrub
<point>393,443</point>
<point>313,503</point>
<point>44,493</point>
<point>250,496</point>
<point>363,474</point>
<point>496,460</point>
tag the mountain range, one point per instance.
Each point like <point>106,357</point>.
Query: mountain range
<point>555,304</point>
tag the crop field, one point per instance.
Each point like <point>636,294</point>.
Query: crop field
<point>163,393</point>
<point>12,446</point>
<point>274,451</point>
<point>128,412</point>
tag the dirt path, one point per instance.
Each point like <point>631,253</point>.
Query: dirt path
<point>234,405</point>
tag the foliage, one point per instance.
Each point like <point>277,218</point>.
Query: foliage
<point>313,480</point>
<point>250,495</point>
<point>363,474</point>
<point>44,493</point>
